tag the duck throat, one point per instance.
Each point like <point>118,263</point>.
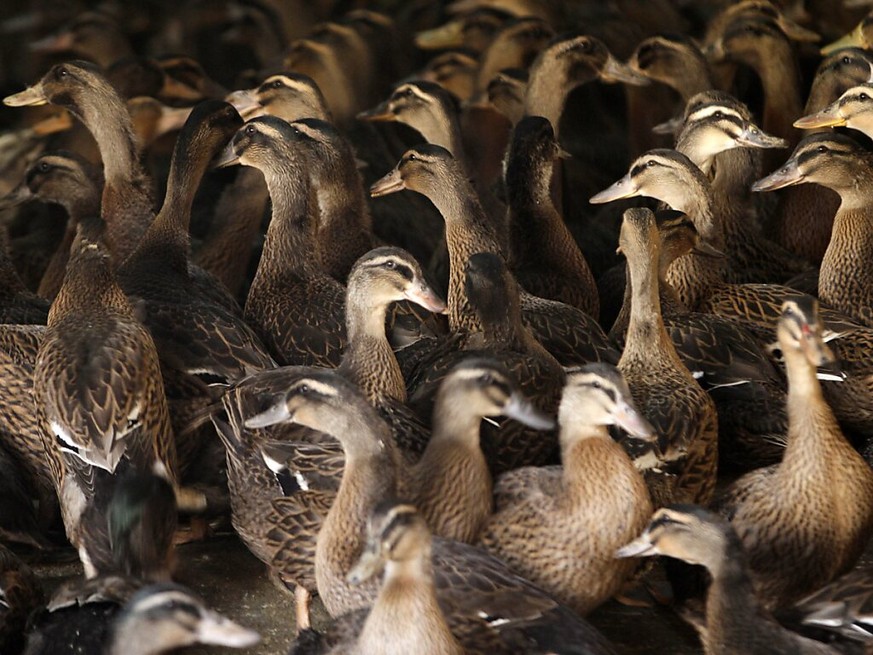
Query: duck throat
<point>369,360</point>
<point>846,277</point>
<point>289,248</point>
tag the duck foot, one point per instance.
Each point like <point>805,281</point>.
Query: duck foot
<point>302,601</point>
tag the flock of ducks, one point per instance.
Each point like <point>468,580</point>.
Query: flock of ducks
<point>380,324</point>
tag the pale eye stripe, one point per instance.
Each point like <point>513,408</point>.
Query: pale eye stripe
<point>710,110</point>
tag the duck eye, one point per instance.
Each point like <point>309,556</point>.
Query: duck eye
<point>863,97</point>
<point>390,264</point>
<point>63,72</point>
<point>596,384</point>
<point>719,114</point>
<point>250,130</point>
<point>412,157</point>
<point>585,46</point>
<point>846,60</point>
<point>486,378</point>
<point>822,149</point>
<point>303,389</point>
<point>277,84</point>
<point>651,163</point>
<point>43,167</point>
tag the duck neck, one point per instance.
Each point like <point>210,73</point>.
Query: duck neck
<point>369,360</point>
<point>547,88</point>
<point>89,287</point>
<point>731,596</point>
<point>811,423</point>
<point>443,129</point>
<point>453,422</point>
<point>407,597</point>
<point>468,232</point>
<point>646,333</point>
<point>846,278</point>
<point>134,636</point>
<point>167,239</point>
<point>369,476</point>
<point>289,248</point>
<point>576,440</point>
<point>695,78</point>
<point>780,78</point>
<point>109,123</point>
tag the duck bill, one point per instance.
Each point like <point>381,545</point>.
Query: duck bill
<point>704,249</point>
<point>56,123</point>
<point>31,97</point>
<point>816,351</point>
<point>788,175</point>
<point>378,114</point>
<point>640,547</point>
<point>172,119</point>
<point>245,102</point>
<point>754,137</point>
<point>391,183</point>
<point>631,421</point>
<point>173,89</point>
<point>227,157</point>
<point>370,564</point>
<point>278,413</point>
<point>854,39</point>
<point>53,43</point>
<point>216,630</point>
<point>17,197</point>
<point>421,294</point>
<point>615,71</point>
<point>669,127</point>
<point>624,188</point>
<point>797,33</point>
<point>449,35</point>
<point>520,409</point>
<point>827,117</point>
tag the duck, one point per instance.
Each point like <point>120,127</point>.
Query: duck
<point>119,420</point>
<point>515,45</point>
<point>19,429</point>
<point>736,620</point>
<point>17,303</point>
<point>69,180</point>
<point>451,484</point>
<point>265,466</point>
<point>115,615</point>
<point>720,138</point>
<point>127,204</point>
<point>839,163</point>
<point>544,257</point>
<point>812,209</point>
<point>92,35</point>
<point>493,293</point>
<point>289,95</point>
<point>568,333</point>
<point>20,595</point>
<point>671,177</point>
<point>406,613</point>
<point>840,607</point>
<point>197,327</point>
<point>848,110</point>
<point>801,536</point>
<point>293,304</point>
<point>19,523</point>
<point>725,358</point>
<point>666,393</point>
<point>472,587</point>
<point>757,40</point>
<point>559,526</point>
<point>474,30</point>
<point>345,230</point>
